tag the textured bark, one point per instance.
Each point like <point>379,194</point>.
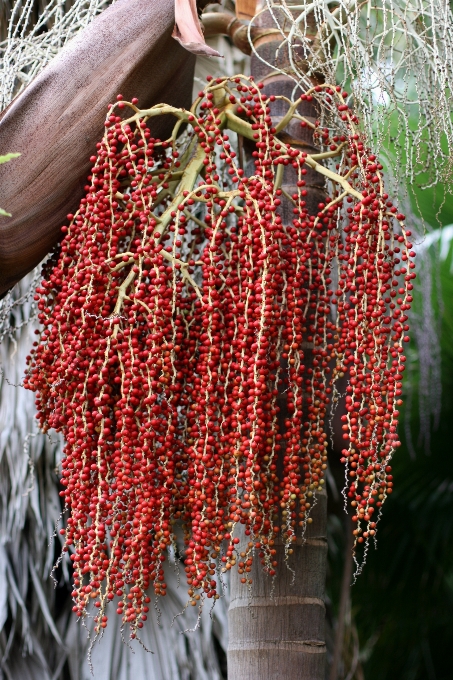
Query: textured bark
<point>56,122</point>
<point>276,630</point>
<point>345,596</point>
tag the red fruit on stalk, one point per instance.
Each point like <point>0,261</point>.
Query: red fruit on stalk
<point>172,328</point>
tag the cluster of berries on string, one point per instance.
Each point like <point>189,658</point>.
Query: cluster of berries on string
<point>191,342</point>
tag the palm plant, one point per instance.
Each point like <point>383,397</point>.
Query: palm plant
<point>385,51</point>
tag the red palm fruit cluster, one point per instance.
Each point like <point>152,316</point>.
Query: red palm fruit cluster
<point>176,319</point>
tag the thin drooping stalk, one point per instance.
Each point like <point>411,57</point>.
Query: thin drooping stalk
<point>276,626</point>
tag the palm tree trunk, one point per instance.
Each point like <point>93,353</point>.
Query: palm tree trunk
<point>276,630</point>
<point>345,596</point>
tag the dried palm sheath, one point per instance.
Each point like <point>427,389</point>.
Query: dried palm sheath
<point>69,99</point>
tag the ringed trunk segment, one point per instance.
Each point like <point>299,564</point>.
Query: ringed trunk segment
<point>56,122</point>
<point>276,627</point>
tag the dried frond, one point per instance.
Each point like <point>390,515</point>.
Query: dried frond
<point>35,34</point>
<point>396,58</point>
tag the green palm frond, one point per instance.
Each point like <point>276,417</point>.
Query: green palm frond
<point>8,157</point>
<point>4,159</point>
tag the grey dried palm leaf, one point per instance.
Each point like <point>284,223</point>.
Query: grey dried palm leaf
<point>39,635</point>
<point>396,59</point>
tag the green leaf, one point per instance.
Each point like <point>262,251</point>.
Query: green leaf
<point>4,159</point>
<point>9,156</point>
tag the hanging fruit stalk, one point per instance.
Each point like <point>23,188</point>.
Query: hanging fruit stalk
<point>177,311</point>
<point>276,626</point>
<point>286,617</point>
